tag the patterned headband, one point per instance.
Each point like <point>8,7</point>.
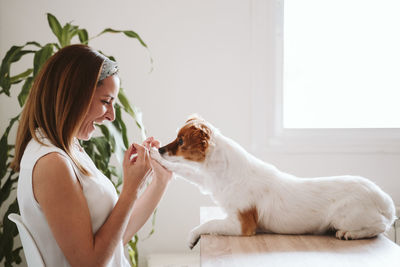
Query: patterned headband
<point>109,68</point>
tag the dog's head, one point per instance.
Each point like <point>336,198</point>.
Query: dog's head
<point>192,142</point>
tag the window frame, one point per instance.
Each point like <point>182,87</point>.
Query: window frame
<point>267,133</point>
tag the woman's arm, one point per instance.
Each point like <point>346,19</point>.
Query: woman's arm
<point>60,196</point>
<point>148,201</point>
<point>145,206</point>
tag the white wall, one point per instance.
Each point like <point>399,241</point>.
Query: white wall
<point>202,63</point>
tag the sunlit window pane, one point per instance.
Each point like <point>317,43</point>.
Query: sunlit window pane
<point>341,64</point>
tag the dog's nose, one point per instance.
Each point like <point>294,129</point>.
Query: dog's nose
<point>161,150</point>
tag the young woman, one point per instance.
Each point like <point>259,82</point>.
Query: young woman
<point>70,207</point>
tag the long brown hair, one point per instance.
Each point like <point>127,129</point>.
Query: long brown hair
<point>59,100</point>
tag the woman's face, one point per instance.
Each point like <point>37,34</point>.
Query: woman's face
<point>101,108</point>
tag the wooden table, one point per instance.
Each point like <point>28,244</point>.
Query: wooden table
<point>293,250</point>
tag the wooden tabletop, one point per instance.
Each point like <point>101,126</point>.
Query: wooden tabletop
<point>293,250</point>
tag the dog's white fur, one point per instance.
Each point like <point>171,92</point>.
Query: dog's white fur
<point>352,206</point>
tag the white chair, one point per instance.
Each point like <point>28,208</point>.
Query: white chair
<point>31,251</point>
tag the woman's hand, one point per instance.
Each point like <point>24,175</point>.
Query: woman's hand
<point>136,167</point>
<point>144,206</point>
<point>151,142</point>
<point>160,172</point>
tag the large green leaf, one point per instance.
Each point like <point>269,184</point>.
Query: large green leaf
<point>14,54</point>
<point>34,43</point>
<point>120,125</point>
<point>65,35</point>
<point>25,91</point>
<point>3,154</point>
<point>20,77</point>
<point>15,257</point>
<point>6,188</point>
<point>116,172</point>
<point>125,103</point>
<point>133,34</point>
<point>55,26</point>
<point>83,36</point>
<point>9,232</point>
<point>132,111</point>
<point>102,146</point>
<point>41,57</point>
<point>89,148</point>
<point>128,33</point>
<point>116,134</point>
<point>4,148</point>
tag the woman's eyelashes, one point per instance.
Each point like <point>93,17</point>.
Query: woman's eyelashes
<point>106,102</point>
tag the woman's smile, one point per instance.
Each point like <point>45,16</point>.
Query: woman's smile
<point>101,108</point>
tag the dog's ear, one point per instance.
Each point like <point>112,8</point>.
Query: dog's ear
<point>194,117</point>
<point>205,131</point>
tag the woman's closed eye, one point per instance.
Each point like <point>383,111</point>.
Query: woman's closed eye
<point>106,102</point>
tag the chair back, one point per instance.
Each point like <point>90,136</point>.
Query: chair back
<point>31,251</point>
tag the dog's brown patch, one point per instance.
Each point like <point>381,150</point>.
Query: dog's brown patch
<point>249,220</point>
<point>192,142</point>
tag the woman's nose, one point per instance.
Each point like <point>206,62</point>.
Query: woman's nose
<point>110,115</point>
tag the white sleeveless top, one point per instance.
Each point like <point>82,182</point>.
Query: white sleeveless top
<point>99,192</point>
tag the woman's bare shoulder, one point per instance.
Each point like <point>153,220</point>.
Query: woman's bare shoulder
<point>53,163</point>
<point>53,173</point>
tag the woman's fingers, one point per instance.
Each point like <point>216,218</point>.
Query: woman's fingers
<point>143,155</point>
<point>156,144</point>
<point>151,142</point>
<point>127,156</point>
<point>141,152</point>
<point>137,156</point>
<point>148,141</point>
<point>136,165</point>
<point>134,153</point>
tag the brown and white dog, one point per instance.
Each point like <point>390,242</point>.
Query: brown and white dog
<point>257,197</point>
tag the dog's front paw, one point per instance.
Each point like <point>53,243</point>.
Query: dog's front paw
<point>193,239</point>
<point>154,154</point>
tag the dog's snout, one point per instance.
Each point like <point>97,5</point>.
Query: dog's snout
<point>162,150</point>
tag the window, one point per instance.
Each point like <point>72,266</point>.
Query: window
<point>326,76</point>
<point>341,64</point>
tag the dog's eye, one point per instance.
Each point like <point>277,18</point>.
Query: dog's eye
<point>180,141</point>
